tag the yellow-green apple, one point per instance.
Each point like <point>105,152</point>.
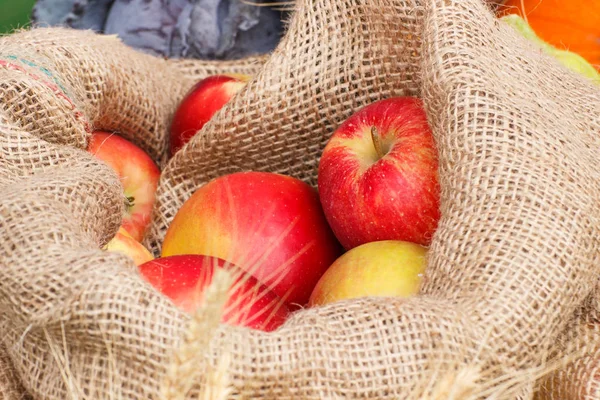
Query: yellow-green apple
<point>124,243</point>
<point>199,105</point>
<point>270,225</point>
<point>378,175</point>
<point>138,174</point>
<point>183,279</point>
<point>384,268</point>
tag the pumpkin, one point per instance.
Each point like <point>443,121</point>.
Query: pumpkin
<point>567,24</point>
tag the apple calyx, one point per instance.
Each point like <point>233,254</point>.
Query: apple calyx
<point>129,202</point>
<point>376,138</point>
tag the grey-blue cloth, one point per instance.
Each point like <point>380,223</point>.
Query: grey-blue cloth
<point>202,29</point>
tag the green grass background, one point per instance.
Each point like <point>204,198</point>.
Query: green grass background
<point>14,14</point>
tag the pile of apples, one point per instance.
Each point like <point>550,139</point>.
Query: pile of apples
<point>364,232</point>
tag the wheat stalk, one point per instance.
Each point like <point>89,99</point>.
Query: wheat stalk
<point>183,369</point>
<point>457,385</point>
<point>217,385</point>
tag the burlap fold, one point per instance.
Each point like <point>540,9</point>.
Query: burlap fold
<point>514,257</point>
<point>577,357</point>
<point>579,377</point>
<point>10,386</point>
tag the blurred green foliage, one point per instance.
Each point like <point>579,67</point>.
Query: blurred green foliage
<point>14,14</point>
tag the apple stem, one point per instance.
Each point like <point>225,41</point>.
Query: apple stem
<point>376,142</point>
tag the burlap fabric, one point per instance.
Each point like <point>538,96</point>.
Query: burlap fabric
<point>513,259</point>
<point>579,378</point>
<point>577,354</point>
<point>10,387</point>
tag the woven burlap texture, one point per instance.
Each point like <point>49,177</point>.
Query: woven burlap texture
<point>579,378</point>
<point>577,354</point>
<point>513,259</point>
<point>56,87</point>
<point>10,387</point>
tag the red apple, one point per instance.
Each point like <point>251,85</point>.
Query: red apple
<point>270,225</point>
<point>124,243</point>
<point>378,175</point>
<point>184,278</point>
<point>206,98</point>
<point>138,174</point>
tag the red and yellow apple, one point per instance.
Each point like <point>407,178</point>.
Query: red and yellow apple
<point>200,104</point>
<point>378,175</point>
<point>384,268</point>
<point>124,243</point>
<point>184,278</point>
<point>138,174</point>
<point>270,225</point>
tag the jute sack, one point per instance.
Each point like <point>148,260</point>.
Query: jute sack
<point>513,259</point>
<point>514,156</point>
<point>56,87</point>
<point>579,378</point>
<point>10,388</point>
<point>577,352</point>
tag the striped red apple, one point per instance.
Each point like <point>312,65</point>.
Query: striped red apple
<point>138,174</point>
<point>270,225</point>
<point>378,175</point>
<point>184,279</point>
<point>200,104</point>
